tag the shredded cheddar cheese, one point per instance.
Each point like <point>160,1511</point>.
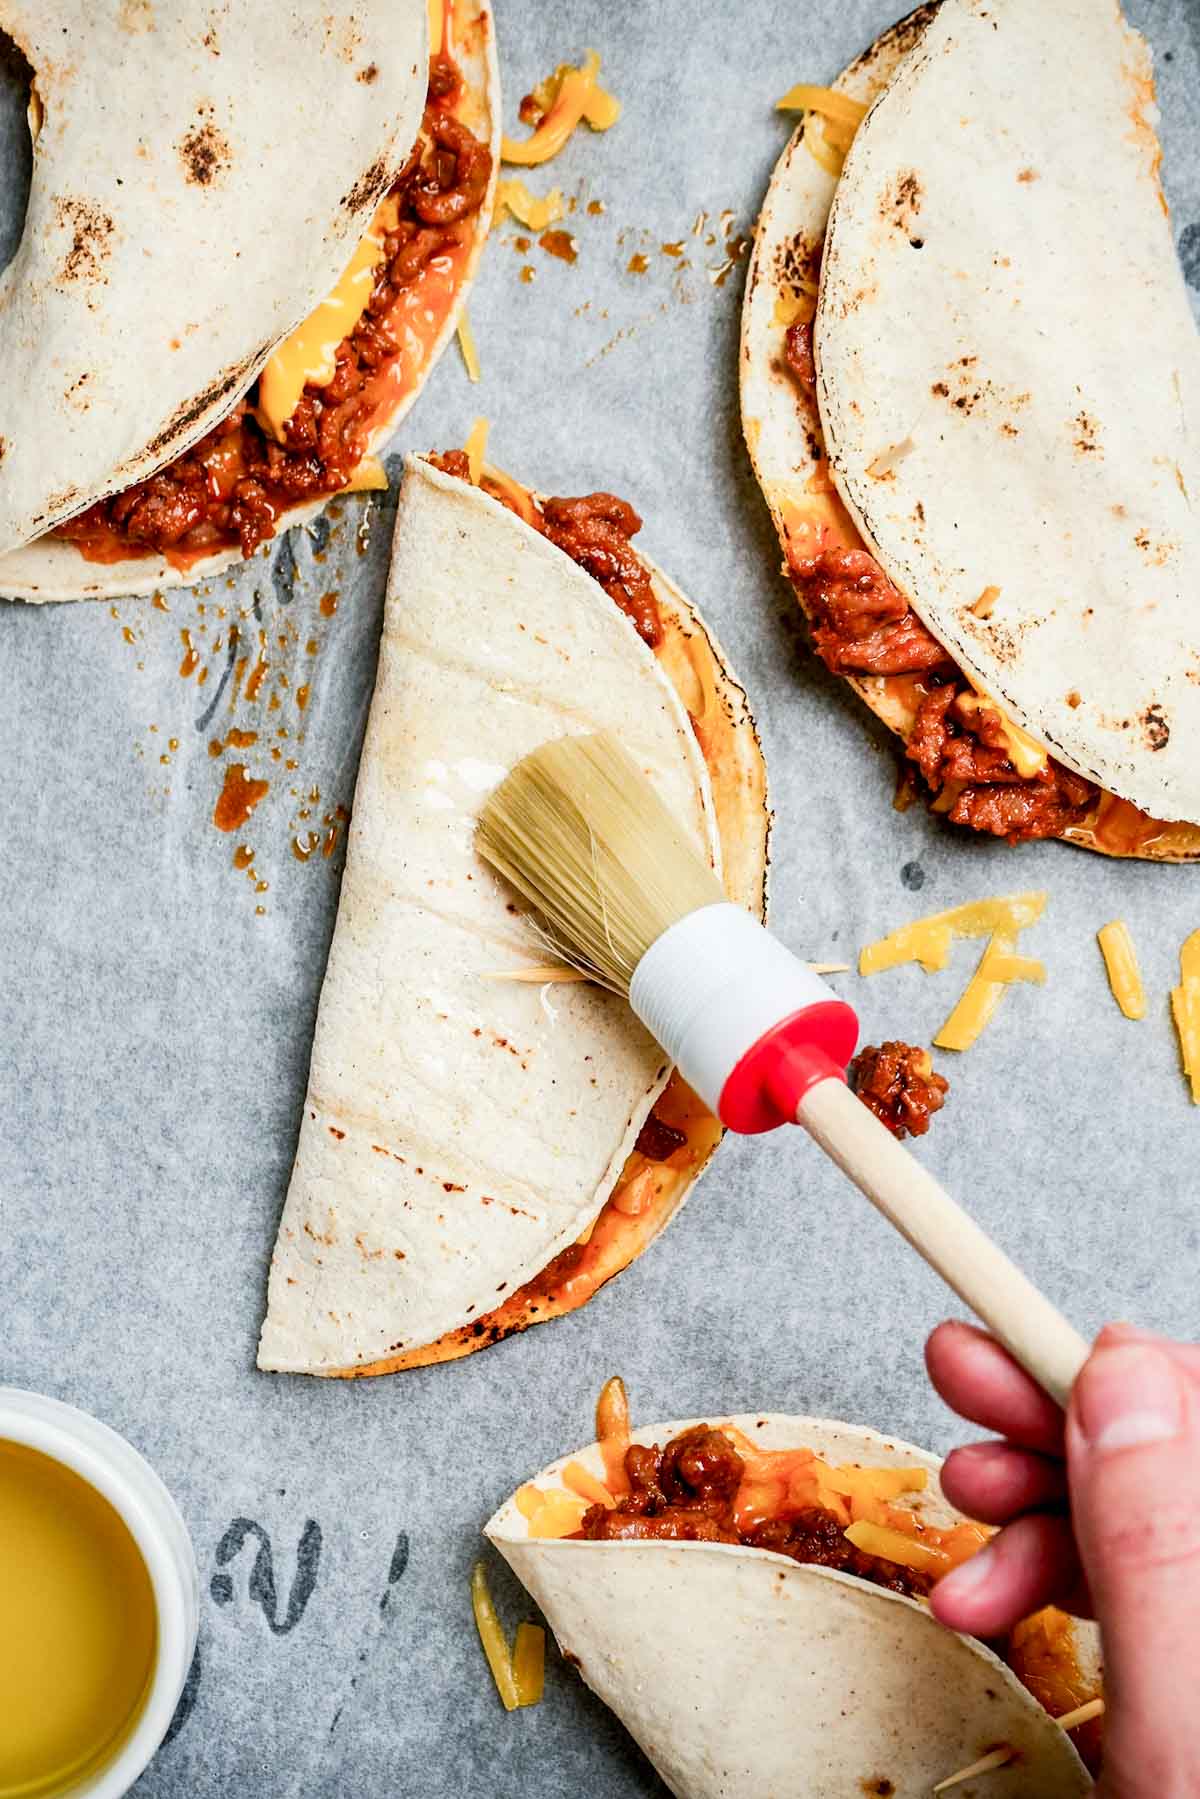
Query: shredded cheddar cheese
<point>576,1479</point>
<point>1026,755</point>
<point>309,355</point>
<point>928,940</point>
<point>805,97</point>
<point>36,115</point>
<point>612,1433</point>
<point>491,1635</point>
<point>502,487</point>
<point>369,476</point>
<point>1121,964</point>
<point>896,1546</point>
<point>556,1514</point>
<point>437,26</point>
<point>466,343</point>
<point>983,994</point>
<point>475,447</point>
<point>536,212</point>
<point>576,97</point>
<point>529,1663</point>
<point>1185,1010</point>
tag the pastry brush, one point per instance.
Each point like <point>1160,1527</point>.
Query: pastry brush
<point>625,897</point>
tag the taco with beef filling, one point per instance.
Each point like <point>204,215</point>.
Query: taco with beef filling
<point>228,294</point>
<point>481,1147</point>
<point>747,1594</point>
<point>984,498</point>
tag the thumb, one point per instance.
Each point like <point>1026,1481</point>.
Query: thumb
<point>1133,1452</point>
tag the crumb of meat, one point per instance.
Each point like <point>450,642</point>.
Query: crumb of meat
<point>897,1082</point>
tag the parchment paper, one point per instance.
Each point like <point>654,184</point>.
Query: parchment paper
<point>154,1025</point>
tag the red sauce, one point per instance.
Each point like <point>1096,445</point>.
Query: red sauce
<point>238,798</point>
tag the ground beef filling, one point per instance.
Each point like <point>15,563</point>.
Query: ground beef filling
<point>970,751</point>
<point>686,1491</point>
<point>230,489</point>
<point>897,1083</point>
<point>863,625</point>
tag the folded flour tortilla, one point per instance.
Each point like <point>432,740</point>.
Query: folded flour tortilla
<point>172,244</point>
<point>740,1671</point>
<point>460,1133</point>
<point>1025,483</point>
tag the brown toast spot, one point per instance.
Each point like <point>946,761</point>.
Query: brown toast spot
<point>363,193</point>
<point>900,205</point>
<point>136,16</point>
<point>204,152</point>
<point>369,74</point>
<point>91,231</point>
<point>1027,175</point>
<point>1155,727</point>
<point>1087,435</point>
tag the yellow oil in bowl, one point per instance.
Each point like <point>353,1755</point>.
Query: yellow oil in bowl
<point>78,1627</point>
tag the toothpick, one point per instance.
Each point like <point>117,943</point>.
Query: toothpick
<point>554,971</point>
<point>1083,1714</point>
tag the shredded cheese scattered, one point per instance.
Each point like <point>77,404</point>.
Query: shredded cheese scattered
<point>491,1635</point>
<point>985,990</point>
<point>36,114</point>
<point>549,1512</point>
<point>896,1546</point>
<point>529,1663</point>
<point>1185,1010</point>
<point>534,211</point>
<point>502,487</point>
<point>475,447</point>
<point>822,151</point>
<point>805,97</point>
<point>309,355</point>
<point>612,1433</point>
<point>576,1478</point>
<point>790,307</point>
<point>928,940</point>
<point>369,476</point>
<point>466,343</point>
<point>519,1673</point>
<point>1024,752</point>
<point>1121,964</point>
<point>577,96</point>
<point>986,603</point>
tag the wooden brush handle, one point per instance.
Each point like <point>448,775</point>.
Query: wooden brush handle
<point>1033,1331</point>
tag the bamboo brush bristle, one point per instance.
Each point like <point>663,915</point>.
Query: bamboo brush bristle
<point>580,832</point>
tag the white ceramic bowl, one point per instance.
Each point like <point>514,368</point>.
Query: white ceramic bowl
<point>111,1465</point>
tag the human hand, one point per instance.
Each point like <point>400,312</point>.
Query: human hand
<point>1101,1515</point>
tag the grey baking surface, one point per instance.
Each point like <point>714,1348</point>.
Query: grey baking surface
<point>154,1027</point>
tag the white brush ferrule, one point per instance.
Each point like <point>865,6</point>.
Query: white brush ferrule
<point>712,987</point>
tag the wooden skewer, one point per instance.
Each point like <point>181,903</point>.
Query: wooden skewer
<point>1083,1714</point>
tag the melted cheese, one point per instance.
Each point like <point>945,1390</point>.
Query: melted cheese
<point>309,354</point>
<point>1185,1010</point>
<point>1026,755</point>
<point>437,26</point>
<point>1121,965</point>
<point>466,343</point>
<point>576,96</point>
<point>535,211</point>
<point>475,446</point>
<point>369,476</point>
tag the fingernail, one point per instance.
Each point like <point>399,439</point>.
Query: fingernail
<point>1129,1395</point>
